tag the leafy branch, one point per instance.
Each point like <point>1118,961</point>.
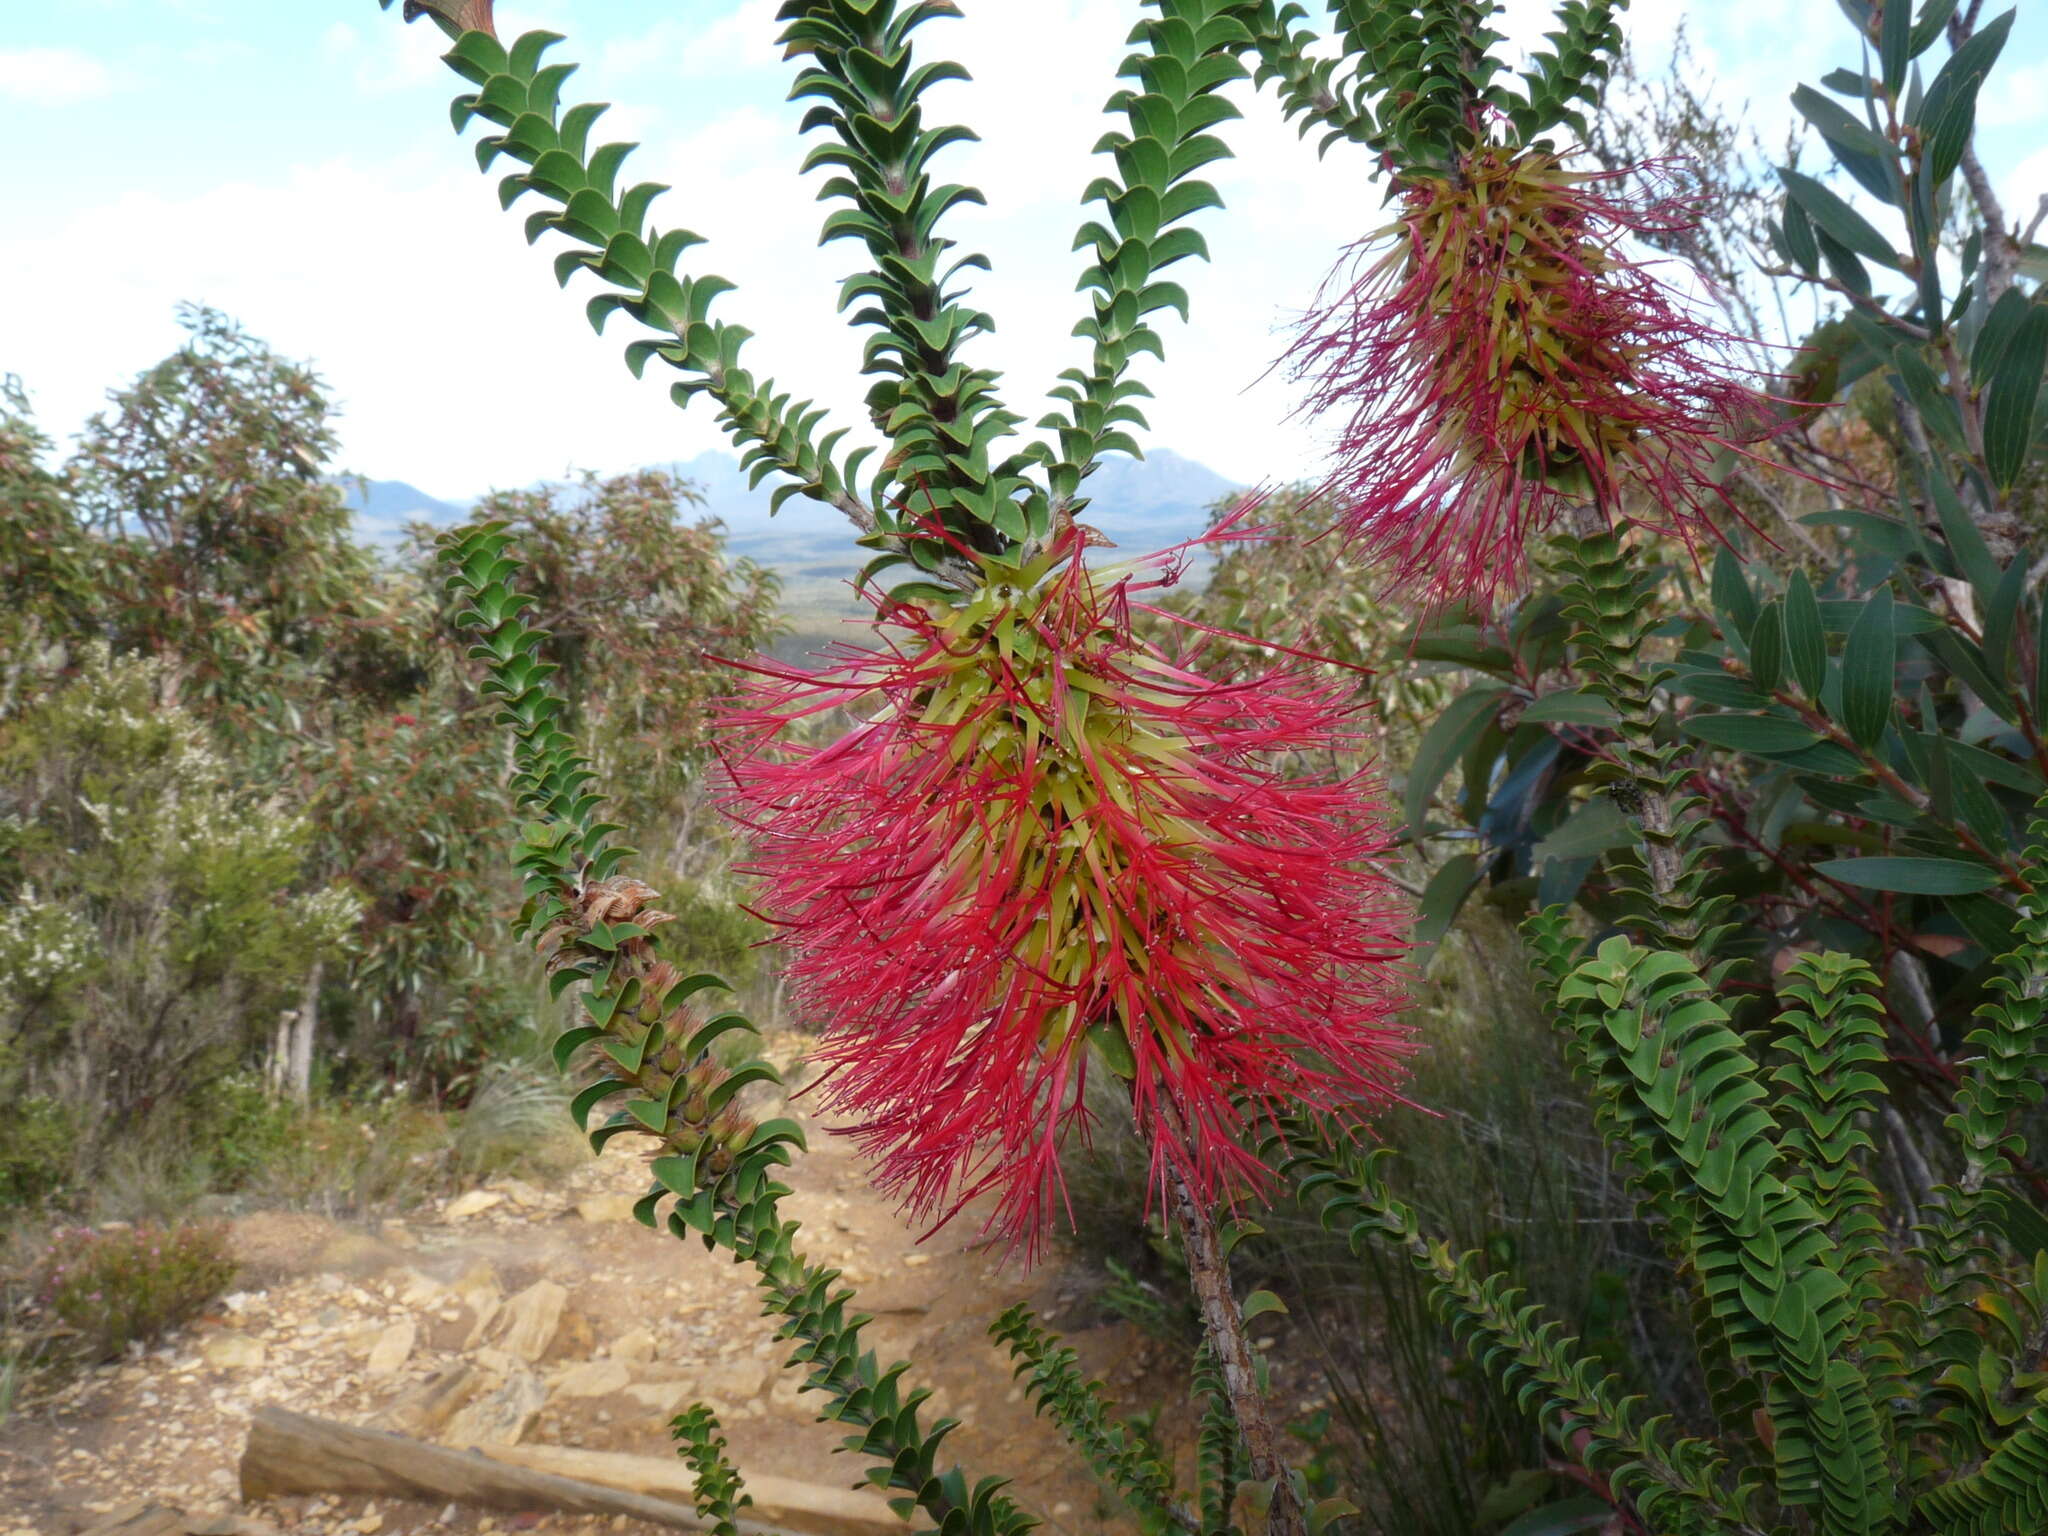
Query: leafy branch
<point>611,239</point>
<point>714,1168</point>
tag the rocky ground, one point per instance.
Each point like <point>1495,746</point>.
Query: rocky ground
<point>547,1317</point>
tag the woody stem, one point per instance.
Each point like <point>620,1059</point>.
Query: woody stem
<point>1223,1321</point>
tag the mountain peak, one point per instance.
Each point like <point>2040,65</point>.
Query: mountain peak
<point>1143,504</point>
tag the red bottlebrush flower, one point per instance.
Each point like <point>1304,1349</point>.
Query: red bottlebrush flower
<point>1043,835</point>
<point>1496,359</point>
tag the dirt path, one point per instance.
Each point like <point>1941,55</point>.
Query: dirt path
<point>579,1327</point>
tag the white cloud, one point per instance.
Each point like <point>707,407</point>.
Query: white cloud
<point>53,77</point>
<point>390,59</point>
<point>2016,93</point>
<point>457,363</point>
<point>741,38</point>
<point>461,366</point>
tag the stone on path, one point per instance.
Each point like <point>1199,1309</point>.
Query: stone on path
<point>600,1208</point>
<point>526,1324</point>
<point>421,1290</point>
<point>475,1203</point>
<point>392,1349</point>
<point>423,1409</point>
<point>501,1418</point>
<point>233,1352</point>
<point>477,1288</point>
<point>594,1378</point>
<point>521,1193</point>
<point>636,1347</point>
<point>663,1397</point>
<point>736,1381</point>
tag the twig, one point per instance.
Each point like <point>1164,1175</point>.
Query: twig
<point>1209,1273</point>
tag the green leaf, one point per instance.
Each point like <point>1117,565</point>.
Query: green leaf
<point>1986,919</point>
<point>2000,615</point>
<point>1113,1047</point>
<point>1568,706</point>
<point>2012,398</point>
<point>1934,16</point>
<point>1911,876</point>
<point>1799,242</point>
<point>769,1132</point>
<point>1869,665</point>
<point>2025,1226</point>
<point>1949,113</point>
<point>1839,616</point>
<point>1441,900</point>
<point>1860,152</point>
<point>1444,743</point>
<point>570,1041</point>
<point>678,1175</point>
<point>1733,599</point>
<point>1767,647</point>
<point>1720,689</point>
<point>1895,42</point>
<point>1997,332</point>
<point>1937,407</point>
<point>1766,734</point>
<point>1838,220</point>
<point>1806,645</point>
<point>1259,1303</point>
<point>2041,659</point>
<point>1462,644</point>
<point>1962,657</point>
<point>1593,828</point>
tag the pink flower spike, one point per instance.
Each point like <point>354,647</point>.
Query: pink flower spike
<point>1045,848</point>
<point>1495,358</point>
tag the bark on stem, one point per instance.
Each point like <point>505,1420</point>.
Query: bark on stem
<point>1223,1321</point>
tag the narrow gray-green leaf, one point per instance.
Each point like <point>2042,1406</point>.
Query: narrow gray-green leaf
<point>1934,16</point>
<point>1949,113</point>
<point>1869,665</point>
<point>1733,599</point>
<point>1837,219</point>
<point>1997,333</point>
<point>1444,743</point>
<point>1569,707</point>
<point>2012,401</point>
<point>1594,827</point>
<point>1765,734</point>
<point>1910,876</point>
<point>1806,645</point>
<point>1937,407</point>
<point>2001,615</point>
<point>1767,647</point>
<point>1895,42</point>
<point>1442,899</point>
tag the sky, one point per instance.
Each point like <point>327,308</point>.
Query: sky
<point>291,163</point>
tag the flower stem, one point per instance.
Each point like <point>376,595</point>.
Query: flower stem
<point>1223,1321</point>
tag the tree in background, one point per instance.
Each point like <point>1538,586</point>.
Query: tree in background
<point>226,553</point>
<point>313,704</point>
<point>155,912</point>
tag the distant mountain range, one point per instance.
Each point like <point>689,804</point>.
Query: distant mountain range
<point>1143,504</point>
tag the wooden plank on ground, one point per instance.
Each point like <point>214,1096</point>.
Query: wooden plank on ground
<point>292,1453</point>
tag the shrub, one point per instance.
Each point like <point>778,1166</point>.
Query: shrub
<point>154,915</point>
<point>35,1152</point>
<point>131,1284</point>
